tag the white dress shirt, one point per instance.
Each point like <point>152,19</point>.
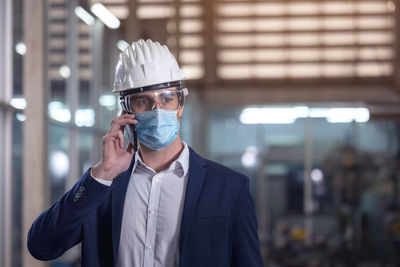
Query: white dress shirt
<point>152,214</point>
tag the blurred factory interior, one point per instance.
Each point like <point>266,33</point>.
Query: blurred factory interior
<point>303,96</point>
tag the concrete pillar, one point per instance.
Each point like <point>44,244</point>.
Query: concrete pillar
<point>308,186</point>
<point>210,49</point>
<point>96,86</point>
<point>72,93</point>
<point>263,184</point>
<point>396,62</point>
<point>132,25</point>
<point>6,52</point>
<point>35,177</point>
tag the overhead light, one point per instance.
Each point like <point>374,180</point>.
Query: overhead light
<point>107,101</point>
<point>20,48</point>
<point>84,15</point>
<point>20,117</point>
<point>361,115</point>
<point>339,115</point>
<point>346,115</point>
<point>59,164</point>
<point>18,102</point>
<point>319,112</point>
<point>84,117</point>
<point>301,111</point>
<point>59,112</point>
<point>317,176</point>
<point>122,45</point>
<point>105,16</point>
<point>288,115</point>
<point>391,6</point>
<point>249,157</point>
<point>65,71</point>
<point>268,116</point>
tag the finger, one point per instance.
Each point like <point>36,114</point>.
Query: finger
<point>130,148</point>
<point>124,116</point>
<point>121,139</point>
<point>119,122</point>
<point>109,142</point>
<point>116,144</point>
<point>119,126</point>
<point>108,138</point>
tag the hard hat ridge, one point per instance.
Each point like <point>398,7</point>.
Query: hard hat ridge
<point>147,53</point>
<point>131,56</point>
<point>123,64</point>
<point>140,59</point>
<point>156,50</point>
<point>145,63</point>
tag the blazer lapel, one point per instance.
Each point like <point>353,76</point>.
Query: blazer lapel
<point>197,172</point>
<point>120,185</point>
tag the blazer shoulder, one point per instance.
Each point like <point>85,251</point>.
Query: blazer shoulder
<point>218,170</point>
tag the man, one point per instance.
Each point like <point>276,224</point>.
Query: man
<point>162,206</point>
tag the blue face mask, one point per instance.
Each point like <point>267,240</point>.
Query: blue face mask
<point>157,129</point>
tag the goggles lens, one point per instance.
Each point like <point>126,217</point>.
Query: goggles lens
<point>146,101</point>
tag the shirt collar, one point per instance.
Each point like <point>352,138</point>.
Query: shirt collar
<point>183,160</point>
<point>181,164</point>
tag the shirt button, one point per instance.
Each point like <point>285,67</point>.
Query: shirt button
<point>152,212</point>
<point>156,180</point>
<point>149,247</point>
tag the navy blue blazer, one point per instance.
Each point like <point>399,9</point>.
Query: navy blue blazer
<point>218,227</point>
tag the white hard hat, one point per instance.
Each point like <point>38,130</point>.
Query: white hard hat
<point>146,65</point>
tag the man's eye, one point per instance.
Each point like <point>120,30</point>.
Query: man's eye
<point>141,102</point>
<point>167,99</point>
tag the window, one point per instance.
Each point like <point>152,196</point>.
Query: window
<point>304,39</point>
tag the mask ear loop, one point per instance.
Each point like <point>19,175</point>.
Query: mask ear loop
<point>131,126</point>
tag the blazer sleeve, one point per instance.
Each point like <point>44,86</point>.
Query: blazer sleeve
<point>59,228</point>
<point>246,245</point>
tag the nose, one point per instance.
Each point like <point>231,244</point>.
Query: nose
<point>156,105</point>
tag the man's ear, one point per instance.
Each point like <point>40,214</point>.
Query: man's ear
<point>180,111</point>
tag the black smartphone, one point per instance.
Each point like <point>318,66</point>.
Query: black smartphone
<point>130,129</point>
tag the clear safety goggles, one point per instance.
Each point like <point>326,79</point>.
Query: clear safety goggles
<point>163,99</point>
